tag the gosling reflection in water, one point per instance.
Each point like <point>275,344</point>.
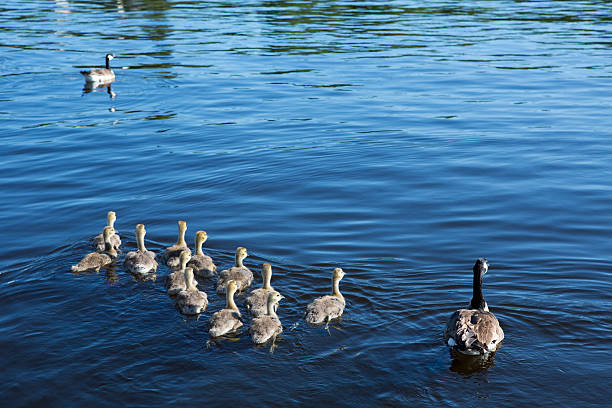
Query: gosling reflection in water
<point>99,87</point>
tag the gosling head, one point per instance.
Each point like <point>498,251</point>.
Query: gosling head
<point>241,253</point>
<point>201,236</point>
<point>111,217</point>
<point>140,228</point>
<point>184,257</point>
<point>275,297</point>
<point>190,281</point>
<point>338,274</point>
<point>481,267</point>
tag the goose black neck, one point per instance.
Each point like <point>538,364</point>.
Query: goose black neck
<point>478,301</point>
<point>107,63</point>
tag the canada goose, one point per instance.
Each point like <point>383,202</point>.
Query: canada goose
<point>202,264</point>
<point>268,326</point>
<point>256,303</point>
<point>142,261</point>
<point>475,330</point>
<point>226,320</point>
<point>326,308</point>
<point>242,275</point>
<point>191,301</point>
<point>115,240</point>
<point>171,256</point>
<point>96,260</point>
<point>175,282</point>
<point>100,74</point>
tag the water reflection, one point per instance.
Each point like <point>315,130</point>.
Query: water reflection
<point>99,87</point>
<point>466,364</point>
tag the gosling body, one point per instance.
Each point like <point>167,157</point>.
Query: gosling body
<point>175,282</point>
<point>238,273</point>
<point>329,307</point>
<point>201,263</point>
<point>191,301</point>
<point>96,260</point>
<point>268,326</point>
<point>115,239</point>
<point>172,255</point>
<point>226,320</point>
<point>256,302</point>
<point>140,262</point>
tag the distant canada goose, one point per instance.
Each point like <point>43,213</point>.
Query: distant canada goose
<point>96,260</point>
<point>142,261</point>
<point>175,282</point>
<point>226,320</point>
<point>239,273</point>
<point>171,256</point>
<point>115,240</point>
<point>267,326</point>
<point>202,264</point>
<point>326,308</point>
<point>100,74</point>
<point>191,301</point>
<point>475,330</point>
<point>257,301</point>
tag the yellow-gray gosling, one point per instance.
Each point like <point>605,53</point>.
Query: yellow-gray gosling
<point>256,302</point>
<point>326,308</point>
<point>268,326</point>
<point>191,301</point>
<point>171,256</point>
<point>226,320</point>
<point>175,282</point>
<point>96,260</point>
<point>140,262</point>
<point>115,240</point>
<point>475,330</point>
<point>239,273</point>
<point>202,264</point>
<point>100,74</point>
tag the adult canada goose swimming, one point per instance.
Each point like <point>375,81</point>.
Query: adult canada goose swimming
<point>202,264</point>
<point>115,240</point>
<point>141,261</point>
<point>191,301</point>
<point>226,320</point>
<point>475,330</point>
<point>326,308</point>
<point>257,301</point>
<point>96,260</point>
<point>268,326</point>
<point>100,74</point>
<point>175,282</point>
<point>171,256</point>
<point>242,275</point>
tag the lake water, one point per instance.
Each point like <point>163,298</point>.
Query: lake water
<point>399,140</point>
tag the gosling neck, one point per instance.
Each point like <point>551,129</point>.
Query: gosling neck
<point>199,242</point>
<point>182,226</point>
<point>478,301</point>
<point>267,276</point>
<point>271,309</point>
<point>239,259</point>
<point>189,279</point>
<point>140,234</point>
<point>336,288</point>
<point>110,220</point>
<point>108,247</point>
<point>230,301</point>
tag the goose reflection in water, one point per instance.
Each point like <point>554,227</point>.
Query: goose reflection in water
<point>468,364</point>
<point>98,87</point>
